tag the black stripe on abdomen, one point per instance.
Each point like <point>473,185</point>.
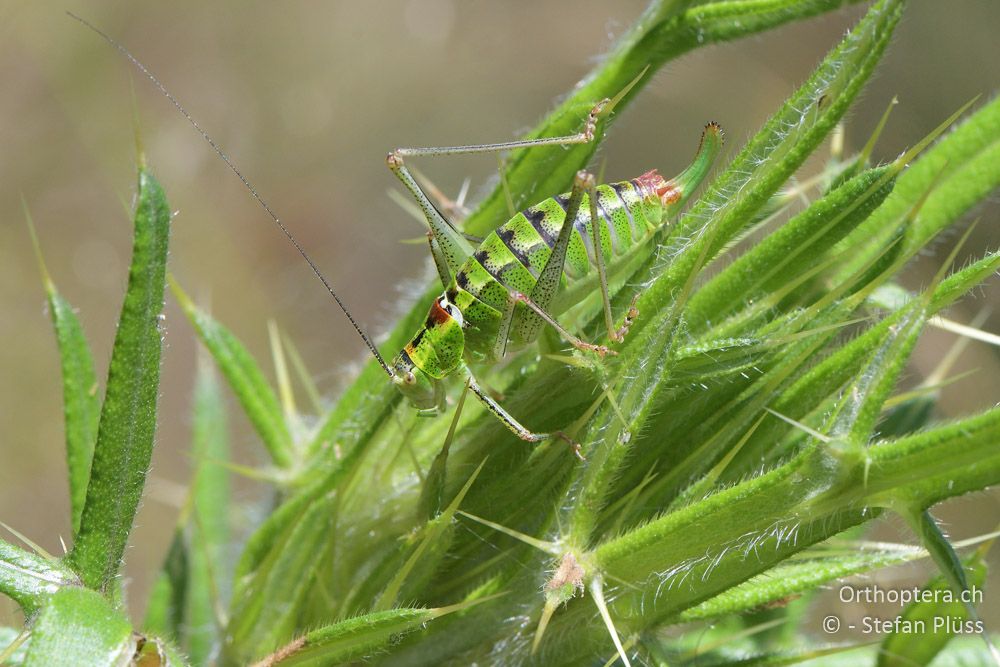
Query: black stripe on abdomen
<point>507,237</point>
<point>618,187</point>
<point>535,217</point>
<point>483,258</point>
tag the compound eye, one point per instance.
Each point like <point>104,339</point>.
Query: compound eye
<point>409,378</point>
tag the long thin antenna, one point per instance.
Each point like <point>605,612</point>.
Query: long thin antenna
<point>253,191</point>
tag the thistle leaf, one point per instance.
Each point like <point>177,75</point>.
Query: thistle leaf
<point>245,379</point>
<point>79,628</point>
<point>128,415</point>
<point>81,399</point>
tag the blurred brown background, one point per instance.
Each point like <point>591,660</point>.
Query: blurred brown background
<point>307,98</point>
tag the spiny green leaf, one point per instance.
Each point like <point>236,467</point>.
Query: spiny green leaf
<point>81,400</point>
<point>128,416</point>
<point>946,461</point>
<point>422,561</point>
<point>791,250</point>
<point>165,610</point>
<point>355,638</point>
<point>958,171</point>
<point>751,179</point>
<point>942,553</point>
<point>714,428</point>
<point>272,532</point>
<point>245,379</point>
<point>208,525</point>
<point>432,493</point>
<point>963,280</point>
<point>183,603</point>
<point>857,414</point>
<point>859,411</point>
<point>794,578</point>
<point>282,557</point>
<point>781,508</point>
<point>29,578</point>
<point>833,372</point>
<point>709,526</point>
<point>812,388</point>
<point>788,137</point>
<point>265,608</point>
<point>666,30</point>
<point>79,628</point>
<point>940,618</point>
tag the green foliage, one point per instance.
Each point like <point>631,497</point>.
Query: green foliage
<point>665,31</point>
<point>208,526</point>
<point>941,614</point>
<point>128,415</point>
<point>187,595</point>
<point>30,578</point>
<point>749,417</point>
<point>81,402</point>
<point>255,395</point>
<point>356,638</point>
<point>80,627</point>
<point>74,602</point>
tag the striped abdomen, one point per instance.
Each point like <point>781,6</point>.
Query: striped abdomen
<point>512,256</point>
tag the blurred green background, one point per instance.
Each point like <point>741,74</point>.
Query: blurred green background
<point>307,97</point>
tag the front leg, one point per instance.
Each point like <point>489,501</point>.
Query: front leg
<point>440,262</point>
